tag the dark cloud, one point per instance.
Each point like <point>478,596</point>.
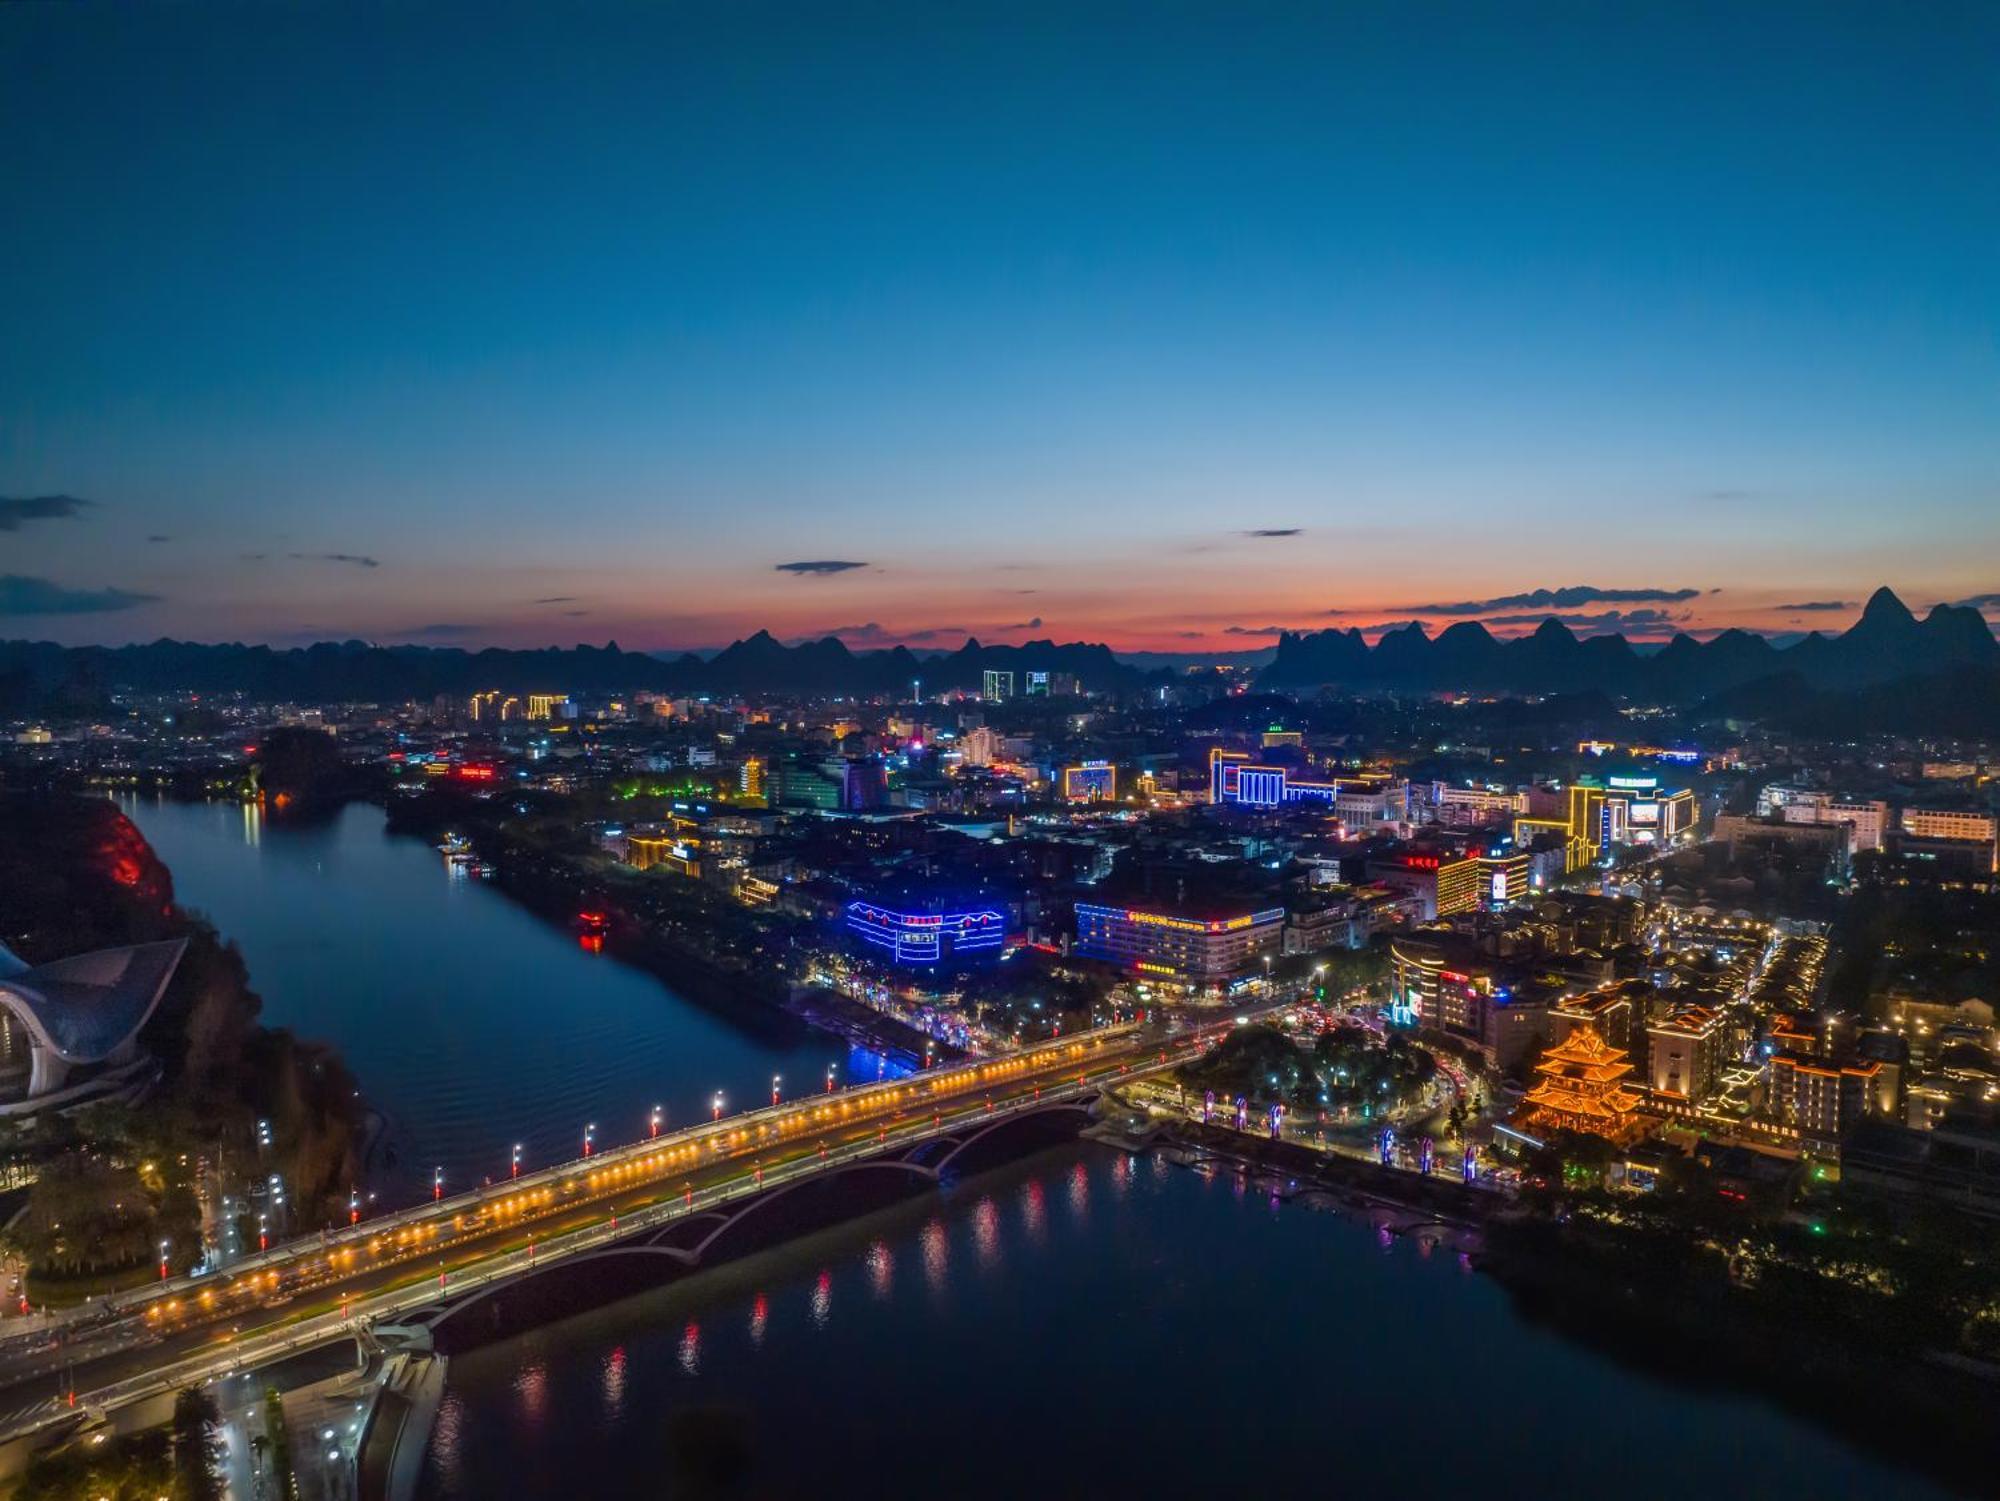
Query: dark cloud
<point>1255,630</point>
<point>1820,604</point>
<point>334,557</point>
<point>1727,494</point>
<point>1638,620</point>
<point>441,630</point>
<point>573,614</point>
<point>1190,635</point>
<point>159,537</point>
<point>934,633</point>
<point>1979,602</point>
<point>558,599</point>
<point>1274,531</point>
<point>819,565</point>
<point>1387,626</point>
<point>20,595</point>
<point>1565,598</point>
<point>16,509</point>
<point>1033,623</point>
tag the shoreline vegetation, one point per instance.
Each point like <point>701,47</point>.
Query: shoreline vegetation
<point>707,947</point>
<point>111,1181</point>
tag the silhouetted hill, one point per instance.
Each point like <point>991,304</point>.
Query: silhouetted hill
<point>41,677</point>
<point>1887,643</point>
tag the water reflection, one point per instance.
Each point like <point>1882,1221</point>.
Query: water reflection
<point>614,1384</point>
<point>937,1254</point>
<point>986,1230</point>
<point>532,1388</point>
<point>1034,1210</point>
<point>881,1268</point>
<point>825,1400</point>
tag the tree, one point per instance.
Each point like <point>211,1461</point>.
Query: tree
<point>196,1447</point>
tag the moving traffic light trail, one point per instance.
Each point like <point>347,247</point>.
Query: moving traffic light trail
<point>308,1291</point>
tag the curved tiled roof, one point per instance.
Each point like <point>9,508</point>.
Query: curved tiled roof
<point>85,1006</point>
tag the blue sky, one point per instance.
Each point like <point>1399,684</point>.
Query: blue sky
<point>578,321</point>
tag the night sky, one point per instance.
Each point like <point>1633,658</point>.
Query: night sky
<point>1160,325</point>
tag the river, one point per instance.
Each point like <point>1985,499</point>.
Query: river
<point>1082,1324</point>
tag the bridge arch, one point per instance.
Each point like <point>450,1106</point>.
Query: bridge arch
<point>959,1146</point>
<point>760,1206</point>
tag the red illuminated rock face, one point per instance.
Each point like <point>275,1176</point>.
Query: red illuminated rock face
<point>76,874</point>
<point>123,855</point>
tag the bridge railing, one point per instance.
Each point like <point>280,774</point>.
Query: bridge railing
<point>474,1199</point>
<point>262,1349</point>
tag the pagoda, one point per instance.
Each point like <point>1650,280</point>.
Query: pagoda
<point>1582,1088</point>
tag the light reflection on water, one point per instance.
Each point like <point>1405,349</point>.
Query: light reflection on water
<point>1156,1271</point>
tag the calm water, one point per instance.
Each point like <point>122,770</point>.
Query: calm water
<point>471,1024</point>
<point>1085,1324</point>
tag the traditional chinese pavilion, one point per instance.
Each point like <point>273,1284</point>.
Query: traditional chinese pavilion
<point>1582,1088</point>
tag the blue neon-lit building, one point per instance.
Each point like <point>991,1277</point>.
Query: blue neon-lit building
<point>906,933</point>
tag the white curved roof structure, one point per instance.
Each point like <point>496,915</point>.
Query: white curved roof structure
<point>86,1009</point>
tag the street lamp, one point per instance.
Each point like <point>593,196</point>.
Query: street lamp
<point>437,1185</point>
<point>263,1234</point>
<point>716,1104</point>
<point>656,1120</point>
<point>163,1259</point>
<point>589,1137</point>
<point>354,1207</point>
<point>775,1082</point>
<point>829,1078</point>
<point>515,1170</point>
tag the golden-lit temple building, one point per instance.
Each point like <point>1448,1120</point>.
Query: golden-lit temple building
<point>1582,1088</point>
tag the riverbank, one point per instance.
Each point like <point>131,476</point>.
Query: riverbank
<point>236,1101</point>
<point>1689,1325</point>
<point>557,884</point>
<point>1919,1408</point>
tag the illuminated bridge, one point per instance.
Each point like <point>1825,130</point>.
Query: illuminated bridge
<point>678,1199</point>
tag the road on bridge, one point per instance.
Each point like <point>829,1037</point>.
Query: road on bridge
<point>448,1242</point>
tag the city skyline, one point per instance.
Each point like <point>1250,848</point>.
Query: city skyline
<point>900,329</point>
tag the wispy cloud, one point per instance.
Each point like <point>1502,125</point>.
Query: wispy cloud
<point>1566,598</point>
<point>334,557</point>
<point>16,509</point>
<point>1820,604</point>
<point>1979,602</point>
<point>1032,623</point>
<point>21,595</point>
<point>819,565</point>
<point>159,537</point>
<point>1274,531</point>
<point>1255,630</point>
<point>558,599</point>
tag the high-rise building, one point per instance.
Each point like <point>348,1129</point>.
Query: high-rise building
<point>544,705</point>
<point>998,684</point>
